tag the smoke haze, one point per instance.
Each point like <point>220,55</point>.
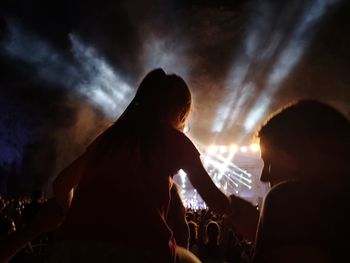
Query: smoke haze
<point>69,69</point>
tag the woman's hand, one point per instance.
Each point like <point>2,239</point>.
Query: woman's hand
<point>244,217</point>
<point>67,180</point>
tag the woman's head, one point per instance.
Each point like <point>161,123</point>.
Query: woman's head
<point>307,138</point>
<point>213,231</point>
<point>163,98</point>
<point>160,98</point>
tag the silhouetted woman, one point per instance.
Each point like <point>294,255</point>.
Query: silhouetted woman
<point>122,182</point>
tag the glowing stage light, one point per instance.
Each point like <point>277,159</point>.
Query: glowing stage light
<point>212,149</point>
<point>225,174</point>
<point>254,147</point>
<point>221,159</point>
<point>230,179</point>
<point>182,173</point>
<point>220,175</point>
<point>234,148</point>
<point>186,129</point>
<point>182,176</point>
<point>244,149</point>
<point>240,176</point>
<point>222,149</point>
<point>241,182</point>
<point>224,170</point>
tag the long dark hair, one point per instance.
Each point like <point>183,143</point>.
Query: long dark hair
<point>160,99</point>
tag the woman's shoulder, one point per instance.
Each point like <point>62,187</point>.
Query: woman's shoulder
<point>178,141</point>
<point>174,134</point>
<point>167,128</point>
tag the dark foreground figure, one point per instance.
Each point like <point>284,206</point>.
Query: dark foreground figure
<point>304,217</point>
<point>306,214</point>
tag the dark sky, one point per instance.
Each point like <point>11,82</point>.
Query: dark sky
<point>69,68</point>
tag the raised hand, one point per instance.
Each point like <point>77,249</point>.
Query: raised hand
<point>244,217</point>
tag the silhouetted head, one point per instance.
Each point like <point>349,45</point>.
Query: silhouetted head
<point>307,139</point>
<point>212,231</point>
<point>161,98</point>
<point>190,216</point>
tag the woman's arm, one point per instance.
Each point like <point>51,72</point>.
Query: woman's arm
<point>63,186</point>
<point>176,218</point>
<point>244,215</point>
<point>205,186</point>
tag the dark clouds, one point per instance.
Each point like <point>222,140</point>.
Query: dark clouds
<point>207,38</point>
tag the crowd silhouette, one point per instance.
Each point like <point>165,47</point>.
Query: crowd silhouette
<point>118,202</point>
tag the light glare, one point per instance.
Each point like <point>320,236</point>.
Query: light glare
<point>255,147</point>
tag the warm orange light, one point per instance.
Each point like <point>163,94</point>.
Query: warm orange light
<point>244,149</point>
<point>234,147</point>
<point>212,149</point>
<point>254,147</point>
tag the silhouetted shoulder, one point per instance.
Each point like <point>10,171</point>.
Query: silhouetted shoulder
<point>177,150</point>
<point>180,141</point>
<point>293,200</point>
<point>278,208</point>
<point>282,189</point>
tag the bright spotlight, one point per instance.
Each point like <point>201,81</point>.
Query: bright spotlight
<point>186,129</point>
<point>244,149</point>
<point>234,148</point>
<point>254,147</point>
<point>182,173</point>
<point>212,149</point>
<point>222,149</point>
